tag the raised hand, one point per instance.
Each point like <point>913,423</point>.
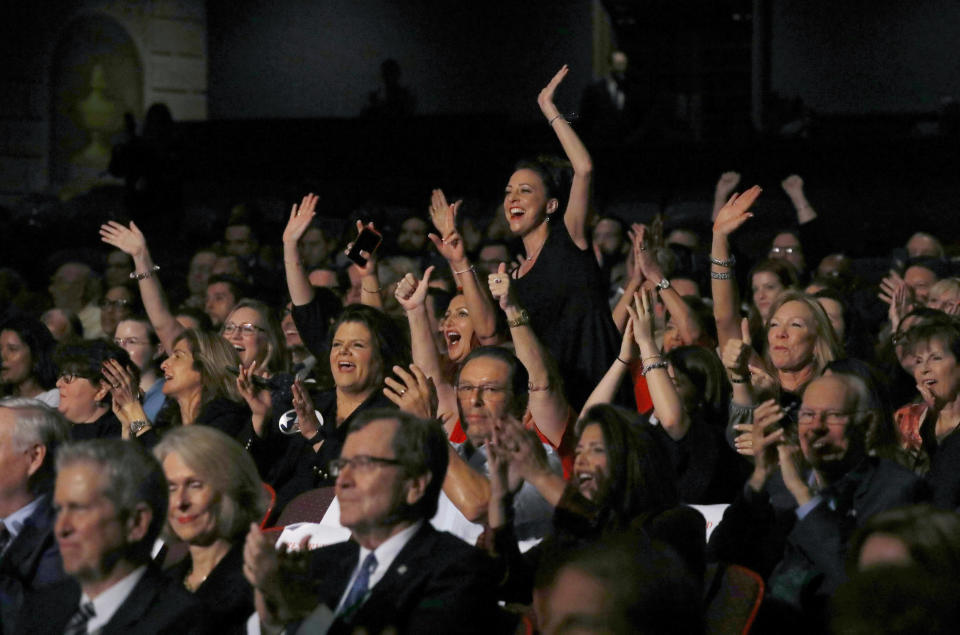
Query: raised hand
<point>545,98</point>
<point>896,293</point>
<point>628,345</point>
<point>642,314</point>
<point>736,212</point>
<point>791,462</point>
<point>728,182</point>
<point>129,240</point>
<point>257,399</point>
<point>500,287</point>
<point>307,420</point>
<point>792,185</point>
<point>370,269</point>
<point>444,217</point>
<point>412,392</point>
<point>412,293</point>
<point>643,256</point>
<point>737,353</point>
<point>123,388</point>
<point>300,218</point>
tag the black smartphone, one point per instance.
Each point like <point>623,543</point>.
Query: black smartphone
<point>256,380</point>
<point>368,241</point>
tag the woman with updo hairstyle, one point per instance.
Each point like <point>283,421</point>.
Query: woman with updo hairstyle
<point>560,283</point>
<point>215,494</point>
<point>26,350</point>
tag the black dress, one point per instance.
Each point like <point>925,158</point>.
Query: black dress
<point>226,595</point>
<point>290,465</point>
<point>567,301</point>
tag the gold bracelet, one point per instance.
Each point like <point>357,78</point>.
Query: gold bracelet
<point>377,290</point>
<point>521,320</point>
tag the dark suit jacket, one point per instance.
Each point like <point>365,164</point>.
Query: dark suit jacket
<point>32,561</point>
<point>156,605</point>
<point>436,584</point>
<point>812,551</point>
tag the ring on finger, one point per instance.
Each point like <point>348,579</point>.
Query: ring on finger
<point>402,391</point>
<point>497,280</point>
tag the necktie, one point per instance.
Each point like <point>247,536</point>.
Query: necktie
<point>78,623</point>
<point>358,591</point>
<point>4,538</point>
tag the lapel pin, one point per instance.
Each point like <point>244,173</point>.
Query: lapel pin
<point>402,569</point>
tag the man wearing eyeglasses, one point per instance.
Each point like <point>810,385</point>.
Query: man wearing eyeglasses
<point>801,517</point>
<point>396,571</point>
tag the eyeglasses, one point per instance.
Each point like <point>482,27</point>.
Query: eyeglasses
<point>468,390</point>
<point>833,418</point>
<point>361,463</point>
<point>68,377</point>
<point>784,251</point>
<point>245,329</point>
<point>114,304</point>
<point>129,341</point>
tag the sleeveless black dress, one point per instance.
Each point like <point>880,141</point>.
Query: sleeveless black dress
<point>567,301</point>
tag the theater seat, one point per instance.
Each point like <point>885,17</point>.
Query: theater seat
<point>733,598</point>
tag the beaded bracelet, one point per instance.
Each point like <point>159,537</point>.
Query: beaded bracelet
<point>654,366</point>
<point>718,275</point>
<point>145,274</point>
<point>738,380</point>
<point>723,263</point>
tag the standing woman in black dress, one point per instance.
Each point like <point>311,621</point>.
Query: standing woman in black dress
<point>559,281</point>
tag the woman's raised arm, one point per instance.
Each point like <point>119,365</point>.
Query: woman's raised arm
<point>132,242</point>
<point>301,291</point>
<point>575,216</point>
<point>723,283</point>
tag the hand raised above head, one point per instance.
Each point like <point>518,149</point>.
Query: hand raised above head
<point>412,293</point>
<point>300,218</point>
<point>545,98</point>
<point>736,212</point>
<point>130,240</point>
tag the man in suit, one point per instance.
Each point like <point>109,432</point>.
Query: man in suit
<point>30,432</point>
<point>844,488</point>
<point>397,570</point>
<point>111,502</point>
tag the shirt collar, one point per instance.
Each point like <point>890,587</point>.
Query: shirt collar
<point>388,551</point>
<point>107,603</point>
<point>14,522</point>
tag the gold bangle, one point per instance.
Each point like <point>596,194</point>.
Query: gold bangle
<point>377,290</point>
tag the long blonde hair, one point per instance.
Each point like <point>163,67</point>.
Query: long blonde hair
<point>826,347</point>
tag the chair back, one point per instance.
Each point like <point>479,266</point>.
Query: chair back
<point>308,507</point>
<point>734,594</point>
<point>271,501</point>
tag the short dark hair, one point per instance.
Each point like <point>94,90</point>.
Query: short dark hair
<point>519,379</point>
<point>237,286</point>
<point>85,358</point>
<point>392,347</point>
<point>705,370</point>
<point>132,476</point>
<point>921,335</point>
<point>420,446</point>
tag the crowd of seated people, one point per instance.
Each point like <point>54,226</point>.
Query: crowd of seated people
<point>554,420</point>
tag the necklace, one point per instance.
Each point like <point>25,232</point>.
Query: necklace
<point>528,263</point>
<point>193,587</point>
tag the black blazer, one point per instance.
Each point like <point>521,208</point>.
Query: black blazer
<point>156,605</point>
<point>436,584</point>
<point>31,562</point>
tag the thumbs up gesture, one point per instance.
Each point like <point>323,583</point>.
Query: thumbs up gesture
<point>736,354</point>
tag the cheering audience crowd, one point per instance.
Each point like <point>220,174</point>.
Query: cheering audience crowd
<point>549,420</point>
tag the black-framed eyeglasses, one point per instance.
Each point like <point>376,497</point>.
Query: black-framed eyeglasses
<point>361,463</point>
<point>245,329</point>
<point>68,377</point>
